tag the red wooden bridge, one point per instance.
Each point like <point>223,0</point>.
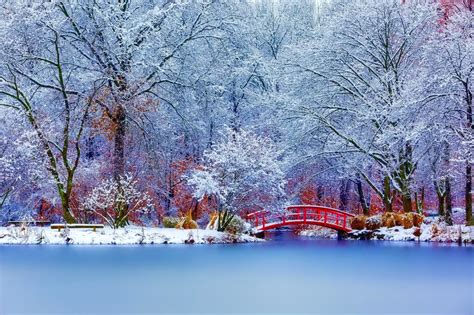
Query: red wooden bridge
<point>302,214</point>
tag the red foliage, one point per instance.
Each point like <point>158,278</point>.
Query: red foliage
<point>182,194</point>
<point>46,210</point>
<point>309,195</point>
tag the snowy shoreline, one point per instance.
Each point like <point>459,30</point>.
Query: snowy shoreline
<point>146,235</point>
<point>430,232</point>
<point>124,236</point>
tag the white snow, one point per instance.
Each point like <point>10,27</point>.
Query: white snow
<point>430,232</point>
<point>319,232</point>
<point>123,236</point>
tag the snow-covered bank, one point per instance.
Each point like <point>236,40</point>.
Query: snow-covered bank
<point>431,232</point>
<point>434,231</point>
<point>124,236</point>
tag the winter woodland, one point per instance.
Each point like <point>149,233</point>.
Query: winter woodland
<point>130,111</point>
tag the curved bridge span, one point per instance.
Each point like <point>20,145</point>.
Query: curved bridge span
<point>301,214</point>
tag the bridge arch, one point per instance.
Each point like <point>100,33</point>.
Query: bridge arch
<point>301,214</point>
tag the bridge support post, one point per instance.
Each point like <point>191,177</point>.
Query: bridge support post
<point>341,235</point>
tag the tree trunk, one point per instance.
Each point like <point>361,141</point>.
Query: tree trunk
<point>441,203</point>
<point>119,143</point>
<point>404,175</point>
<point>360,192</point>
<point>422,205</point>
<point>449,203</point>
<point>470,127</point>
<point>447,186</point>
<point>90,154</point>
<point>53,168</point>
<point>344,189</point>
<point>406,201</point>
<point>235,120</point>
<point>387,195</point>
<point>170,193</point>
<point>193,208</point>
<point>404,182</point>
<point>468,196</point>
<point>320,192</point>
<point>4,196</point>
<point>420,200</point>
<point>66,213</point>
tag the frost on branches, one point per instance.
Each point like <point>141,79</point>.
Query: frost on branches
<point>116,201</point>
<point>19,168</point>
<point>371,98</point>
<point>241,171</point>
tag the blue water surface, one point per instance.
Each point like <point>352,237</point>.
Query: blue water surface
<point>287,275</point>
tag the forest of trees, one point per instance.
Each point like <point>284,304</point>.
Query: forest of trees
<point>125,111</point>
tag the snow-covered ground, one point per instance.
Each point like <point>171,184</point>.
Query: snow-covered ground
<point>429,232</point>
<point>128,235</point>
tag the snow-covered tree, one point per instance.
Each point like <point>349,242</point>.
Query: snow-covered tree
<point>453,72</point>
<point>241,170</point>
<point>40,82</point>
<point>372,101</point>
<point>137,50</point>
<point>365,91</point>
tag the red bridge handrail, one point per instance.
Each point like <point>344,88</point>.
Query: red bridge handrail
<point>302,214</point>
<point>321,207</point>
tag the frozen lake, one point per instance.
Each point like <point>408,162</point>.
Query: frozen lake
<point>287,275</point>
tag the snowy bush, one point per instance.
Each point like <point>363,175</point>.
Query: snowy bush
<point>388,220</point>
<point>358,222</point>
<point>170,222</point>
<point>116,201</point>
<point>187,222</point>
<point>373,223</point>
<point>237,226</point>
<point>407,221</point>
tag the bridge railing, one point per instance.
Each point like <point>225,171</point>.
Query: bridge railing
<point>298,208</point>
<point>301,214</point>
